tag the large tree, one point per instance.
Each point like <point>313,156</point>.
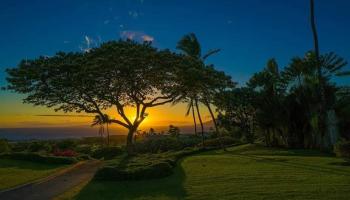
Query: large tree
<point>118,74</point>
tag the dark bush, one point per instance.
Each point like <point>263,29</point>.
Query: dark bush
<point>189,140</point>
<point>217,142</point>
<point>342,149</point>
<point>38,146</point>
<point>19,146</point>
<point>66,144</point>
<point>84,148</point>
<point>158,143</point>
<point>34,157</point>
<point>107,152</point>
<point>4,146</point>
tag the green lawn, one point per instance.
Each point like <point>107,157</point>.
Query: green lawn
<point>245,172</point>
<point>15,172</point>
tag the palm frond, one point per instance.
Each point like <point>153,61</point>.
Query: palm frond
<point>189,106</point>
<point>210,52</point>
<point>347,73</point>
<point>189,45</point>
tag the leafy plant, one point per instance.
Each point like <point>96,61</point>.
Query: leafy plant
<point>342,149</point>
<point>4,146</point>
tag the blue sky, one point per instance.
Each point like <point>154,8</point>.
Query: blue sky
<point>247,32</point>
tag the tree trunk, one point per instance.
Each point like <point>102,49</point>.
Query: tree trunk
<point>322,106</point>
<point>107,134</point>
<point>212,117</point>
<point>215,125</point>
<point>101,132</point>
<point>194,119</point>
<point>129,141</point>
<point>200,121</point>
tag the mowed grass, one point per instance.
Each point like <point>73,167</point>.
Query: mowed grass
<point>15,172</point>
<point>244,172</point>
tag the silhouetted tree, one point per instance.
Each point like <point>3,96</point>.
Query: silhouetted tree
<point>174,131</point>
<point>190,45</point>
<point>117,74</point>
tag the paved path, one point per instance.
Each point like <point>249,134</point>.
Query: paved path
<point>51,187</point>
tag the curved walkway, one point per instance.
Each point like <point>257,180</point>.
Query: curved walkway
<point>55,185</point>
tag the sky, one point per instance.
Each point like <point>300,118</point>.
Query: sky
<point>247,32</point>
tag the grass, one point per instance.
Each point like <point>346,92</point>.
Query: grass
<point>244,172</point>
<point>15,172</point>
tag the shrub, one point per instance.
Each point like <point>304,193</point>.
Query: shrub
<point>19,146</point>
<point>65,153</point>
<point>157,144</point>
<point>107,152</point>
<point>4,146</point>
<point>66,144</point>
<point>189,140</point>
<point>39,146</point>
<point>342,149</point>
<point>35,157</point>
<point>217,142</point>
<point>83,148</point>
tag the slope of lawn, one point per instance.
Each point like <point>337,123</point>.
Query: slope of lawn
<point>15,172</point>
<point>244,172</point>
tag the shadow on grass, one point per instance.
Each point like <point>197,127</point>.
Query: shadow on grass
<point>344,163</point>
<point>261,150</point>
<point>165,188</point>
<point>258,152</point>
<point>8,163</point>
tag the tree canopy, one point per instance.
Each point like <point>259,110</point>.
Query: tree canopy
<point>118,74</point>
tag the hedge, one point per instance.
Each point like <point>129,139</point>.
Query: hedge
<point>144,166</point>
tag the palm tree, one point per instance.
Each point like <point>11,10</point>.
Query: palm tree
<point>101,121</point>
<point>190,46</point>
<point>322,106</point>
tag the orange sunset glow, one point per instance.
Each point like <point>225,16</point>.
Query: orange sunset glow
<point>15,114</point>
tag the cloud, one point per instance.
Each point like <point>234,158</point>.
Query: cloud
<point>147,38</point>
<point>64,115</point>
<point>229,21</point>
<point>87,44</point>
<point>88,40</point>
<point>137,36</point>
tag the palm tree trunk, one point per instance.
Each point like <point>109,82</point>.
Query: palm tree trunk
<point>107,134</point>
<point>212,117</point>
<point>101,133</point>
<point>215,125</point>
<point>200,121</point>
<point>321,124</point>
<point>194,119</point>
